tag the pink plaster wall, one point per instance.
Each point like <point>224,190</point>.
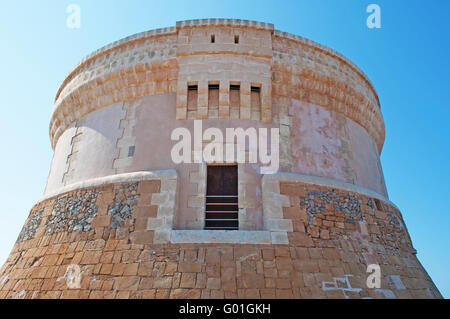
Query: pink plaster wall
<point>327,144</point>
<point>314,144</point>
<point>365,159</point>
<point>323,143</point>
<point>92,153</point>
<point>97,146</point>
<point>59,162</point>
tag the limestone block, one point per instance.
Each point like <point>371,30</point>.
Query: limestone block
<point>155,223</point>
<point>278,224</point>
<point>160,199</point>
<point>202,112</point>
<point>196,201</point>
<point>279,238</point>
<point>245,113</point>
<point>169,186</point>
<point>181,113</point>
<point>162,236</point>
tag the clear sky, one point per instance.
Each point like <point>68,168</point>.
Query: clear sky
<point>407,60</point>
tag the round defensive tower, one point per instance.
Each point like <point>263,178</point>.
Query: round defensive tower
<point>119,217</point>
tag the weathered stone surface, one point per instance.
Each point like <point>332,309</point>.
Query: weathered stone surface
<point>120,220</point>
<point>29,230</point>
<point>124,202</point>
<point>343,233</point>
<point>72,213</point>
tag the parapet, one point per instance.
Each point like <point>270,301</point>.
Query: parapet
<point>222,51</point>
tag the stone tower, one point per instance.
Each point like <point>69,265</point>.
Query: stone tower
<point>120,219</point>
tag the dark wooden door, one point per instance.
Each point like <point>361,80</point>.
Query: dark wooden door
<point>222,198</point>
<point>222,180</point>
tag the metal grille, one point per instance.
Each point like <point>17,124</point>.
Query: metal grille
<point>222,212</point>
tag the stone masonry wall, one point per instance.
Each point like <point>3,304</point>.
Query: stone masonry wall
<point>100,246</point>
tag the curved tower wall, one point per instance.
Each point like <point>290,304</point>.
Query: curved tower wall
<point>118,209</point>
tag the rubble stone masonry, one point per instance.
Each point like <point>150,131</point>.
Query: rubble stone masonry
<point>107,233</point>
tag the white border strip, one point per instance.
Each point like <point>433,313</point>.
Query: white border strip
<point>221,237</point>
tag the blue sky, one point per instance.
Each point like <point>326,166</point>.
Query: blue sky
<point>407,60</point>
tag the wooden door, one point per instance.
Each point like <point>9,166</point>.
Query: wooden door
<point>222,198</point>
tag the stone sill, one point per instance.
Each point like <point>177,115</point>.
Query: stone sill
<point>221,236</point>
